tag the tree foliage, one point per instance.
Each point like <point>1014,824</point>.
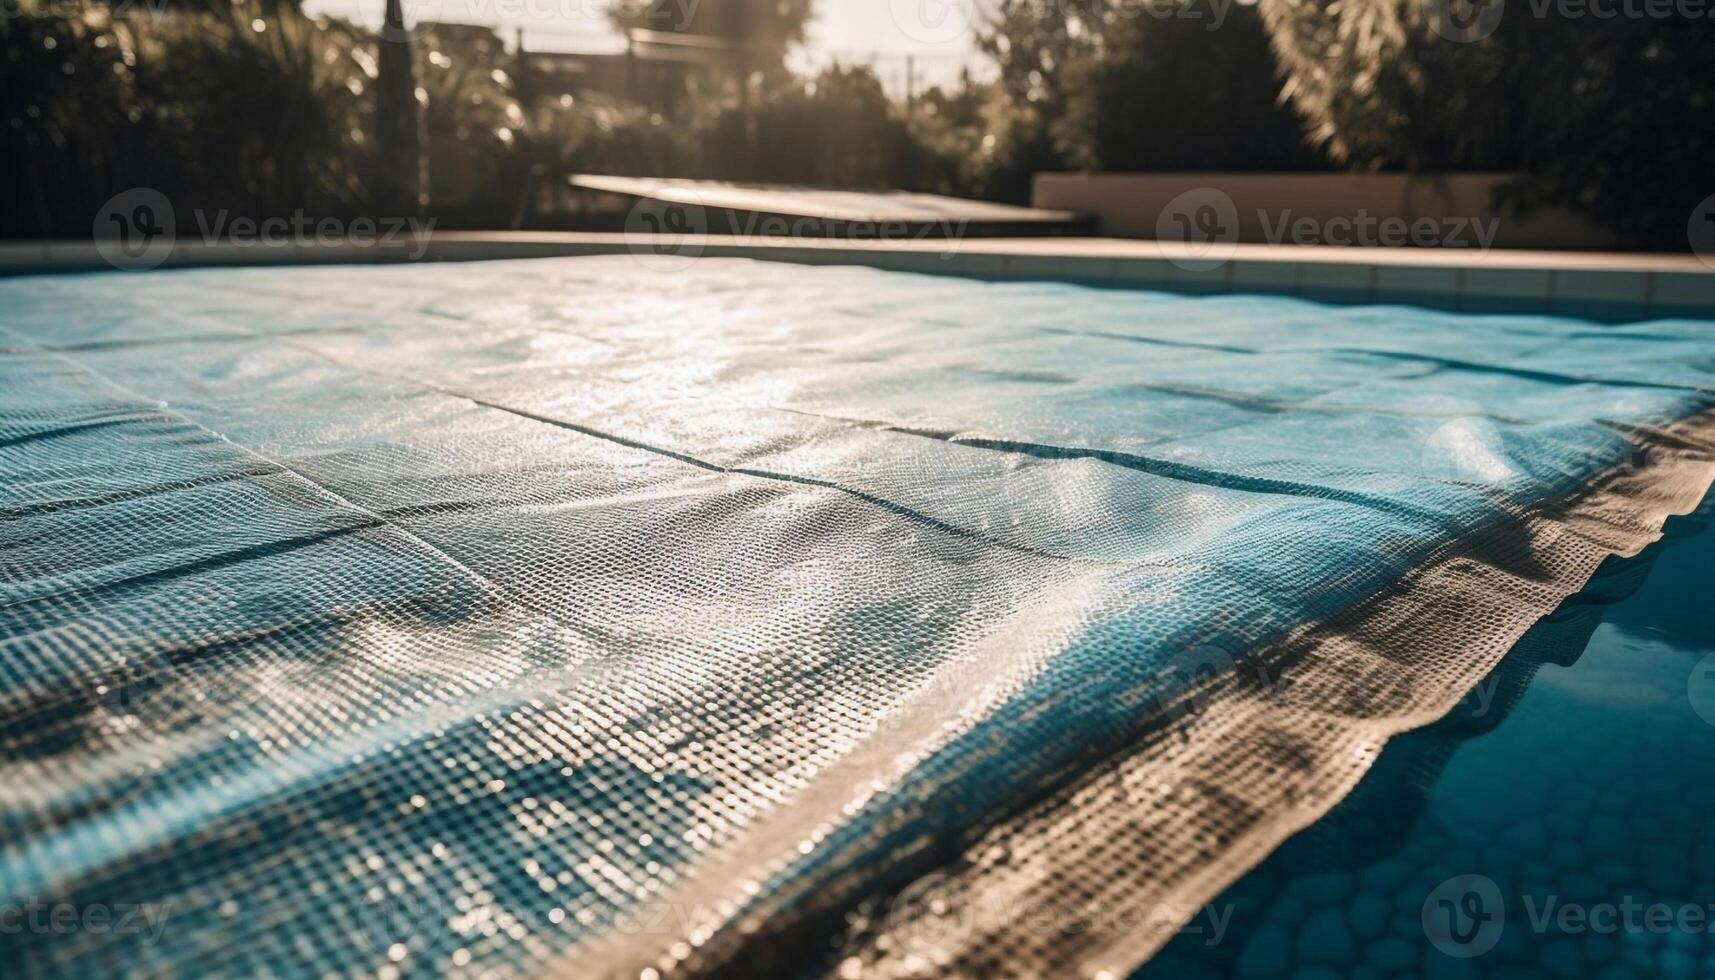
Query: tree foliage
<point>838,129</point>
<point>253,108</point>
<point>1183,91</point>
<point>1606,115</point>
<point>1094,84</point>
<point>221,108</point>
<point>759,31</point>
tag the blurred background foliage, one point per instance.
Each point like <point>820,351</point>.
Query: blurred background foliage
<point>1610,115</point>
<point>252,107</point>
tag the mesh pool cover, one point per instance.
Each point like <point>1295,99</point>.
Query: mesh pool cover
<point>556,617</point>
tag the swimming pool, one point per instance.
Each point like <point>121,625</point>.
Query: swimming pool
<point>576,615</point>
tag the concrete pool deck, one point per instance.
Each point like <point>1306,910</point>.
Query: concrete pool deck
<point>1598,285</point>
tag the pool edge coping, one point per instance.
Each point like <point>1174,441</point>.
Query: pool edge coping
<point>1597,285</point>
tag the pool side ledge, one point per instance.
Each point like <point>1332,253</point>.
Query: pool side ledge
<point>1596,285</point>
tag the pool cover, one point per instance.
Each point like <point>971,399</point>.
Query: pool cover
<point>581,617</point>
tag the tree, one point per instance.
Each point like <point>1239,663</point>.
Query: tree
<point>1609,116</point>
<point>1037,45</point>
<point>398,116</point>
<point>752,35</point>
<point>1179,91</point>
<point>838,129</point>
<point>230,109</point>
<point>1038,49</point>
<point>1093,84</point>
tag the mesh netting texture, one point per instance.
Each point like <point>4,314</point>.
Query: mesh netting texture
<point>551,617</point>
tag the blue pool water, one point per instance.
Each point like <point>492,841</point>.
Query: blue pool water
<point>1576,779</point>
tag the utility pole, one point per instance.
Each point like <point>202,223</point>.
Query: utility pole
<point>522,84</point>
<point>631,65</point>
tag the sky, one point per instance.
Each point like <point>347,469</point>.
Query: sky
<point>932,34</point>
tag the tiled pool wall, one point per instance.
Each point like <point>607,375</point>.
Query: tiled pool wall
<point>1609,294</point>
<point>1600,286</point>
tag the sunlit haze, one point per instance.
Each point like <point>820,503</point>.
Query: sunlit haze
<point>928,38</point>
